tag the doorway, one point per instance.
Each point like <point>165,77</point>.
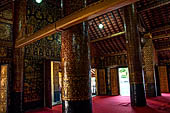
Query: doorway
<point>93,81</point>
<point>124,82</point>
<point>56,78</point>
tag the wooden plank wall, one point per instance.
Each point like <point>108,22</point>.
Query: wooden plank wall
<point>101,82</point>
<point>163,79</point>
<point>114,81</point>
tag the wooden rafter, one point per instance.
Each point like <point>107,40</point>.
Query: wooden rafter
<point>102,23</point>
<point>96,32</point>
<point>110,22</point>
<point>114,44</point>
<point>98,29</point>
<point>118,44</point>
<point>111,36</point>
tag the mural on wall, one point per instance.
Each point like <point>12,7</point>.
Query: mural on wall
<point>38,16</point>
<point>48,47</point>
<point>5,42</point>
<point>5,32</point>
<point>6,16</point>
<point>33,81</point>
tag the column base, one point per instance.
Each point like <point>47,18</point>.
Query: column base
<point>137,95</point>
<point>82,106</point>
<point>16,104</point>
<point>150,90</point>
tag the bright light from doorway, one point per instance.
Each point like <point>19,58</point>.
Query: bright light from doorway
<point>101,26</point>
<point>38,1</point>
<point>124,82</point>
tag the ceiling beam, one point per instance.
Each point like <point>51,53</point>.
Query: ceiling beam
<point>84,14</point>
<point>161,36</point>
<point>116,53</point>
<point>164,49</point>
<point>111,36</point>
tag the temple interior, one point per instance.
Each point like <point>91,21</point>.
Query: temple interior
<point>84,56</point>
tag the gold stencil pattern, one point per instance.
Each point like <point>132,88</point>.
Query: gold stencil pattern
<point>5,32</point>
<point>3,89</point>
<point>75,65</point>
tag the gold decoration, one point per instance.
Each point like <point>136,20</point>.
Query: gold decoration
<point>3,89</point>
<point>5,32</point>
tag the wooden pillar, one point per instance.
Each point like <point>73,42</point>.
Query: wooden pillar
<point>76,88</point>
<point>19,20</point>
<point>148,54</point>
<point>17,94</point>
<point>137,93</point>
<point>76,84</point>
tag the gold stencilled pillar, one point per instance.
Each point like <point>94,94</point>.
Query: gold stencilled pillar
<point>76,88</point>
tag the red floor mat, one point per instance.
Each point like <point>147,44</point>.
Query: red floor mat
<point>121,104</point>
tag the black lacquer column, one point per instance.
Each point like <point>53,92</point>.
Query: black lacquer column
<point>76,91</point>
<point>137,93</point>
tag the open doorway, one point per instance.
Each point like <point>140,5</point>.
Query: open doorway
<point>93,81</point>
<point>56,78</point>
<point>124,81</point>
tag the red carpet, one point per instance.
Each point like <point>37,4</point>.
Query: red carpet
<point>121,104</point>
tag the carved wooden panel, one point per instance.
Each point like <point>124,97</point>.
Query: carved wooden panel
<point>101,82</point>
<point>3,89</point>
<point>163,79</point>
<point>114,81</point>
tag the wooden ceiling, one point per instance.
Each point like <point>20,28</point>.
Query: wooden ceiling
<point>154,16</point>
<point>112,24</point>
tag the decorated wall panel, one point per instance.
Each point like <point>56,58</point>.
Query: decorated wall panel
<point>5,32</point>
<point>6,54</point>
<point>40,15</point>
<point>48,47</point>
<point>33,82</point>
<point>107,61</point>
<point>6,43</point>
<point>71,6</point>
